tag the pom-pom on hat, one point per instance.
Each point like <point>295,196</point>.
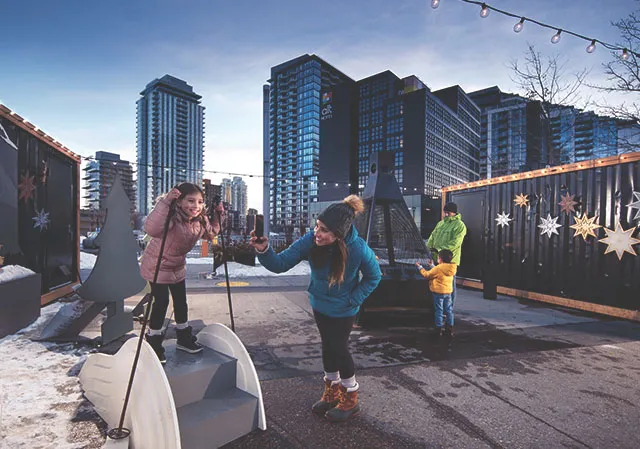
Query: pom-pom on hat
<point>339,217</point>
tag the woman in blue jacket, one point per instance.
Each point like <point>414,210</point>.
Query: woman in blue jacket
<point>336,255</point>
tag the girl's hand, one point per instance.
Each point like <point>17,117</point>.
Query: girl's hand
<point>260,244</point>
<point>173,194</point>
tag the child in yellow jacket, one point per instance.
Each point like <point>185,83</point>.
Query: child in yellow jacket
<point>441,285</point>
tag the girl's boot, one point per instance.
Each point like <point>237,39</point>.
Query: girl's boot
<point>329,399</point>
<point>187,341</point>
<point>347,407</point>
<point>155,341</point>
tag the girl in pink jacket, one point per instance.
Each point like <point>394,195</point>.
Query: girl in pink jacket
<point>188,225</point>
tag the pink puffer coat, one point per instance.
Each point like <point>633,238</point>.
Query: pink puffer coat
<point>182,236</point>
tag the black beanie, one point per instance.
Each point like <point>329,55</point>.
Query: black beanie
<point>451,207</point>
<point>339,217</point>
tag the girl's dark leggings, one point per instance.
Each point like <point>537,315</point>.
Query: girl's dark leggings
<point>334,333</point>
<point>161,303</point>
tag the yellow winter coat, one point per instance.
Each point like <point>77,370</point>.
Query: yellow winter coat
<point>440,277</point>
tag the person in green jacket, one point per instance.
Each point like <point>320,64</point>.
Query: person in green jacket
<point>448,234</point>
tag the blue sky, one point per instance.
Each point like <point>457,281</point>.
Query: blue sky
<point>75,68</point>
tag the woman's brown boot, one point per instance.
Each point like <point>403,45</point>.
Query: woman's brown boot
<point>329,399</point>
<point>346,408</point>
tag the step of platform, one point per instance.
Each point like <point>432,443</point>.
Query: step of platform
<point>214,422</point>
<point>194,377</point>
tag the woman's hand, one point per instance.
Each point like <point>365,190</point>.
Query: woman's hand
<point>260,244</point>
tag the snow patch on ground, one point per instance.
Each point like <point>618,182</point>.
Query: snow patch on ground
<point>13,272</point>
<point>87,261</point>
<point>41,402</point>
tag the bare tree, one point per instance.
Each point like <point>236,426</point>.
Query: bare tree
<point>623,78</point>
<point>548,81</point>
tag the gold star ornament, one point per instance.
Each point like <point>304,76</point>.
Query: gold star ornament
<point>567,203</point>
<point>521,200</point>
<point>585,226</point>
<point>26,187</point>
<point>620,241</point>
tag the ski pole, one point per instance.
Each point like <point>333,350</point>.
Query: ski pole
<point>120,432</point>
<point>226,270</point>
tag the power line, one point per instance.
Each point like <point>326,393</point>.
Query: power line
<point>625,52</point>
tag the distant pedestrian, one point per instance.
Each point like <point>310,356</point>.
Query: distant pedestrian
<point>449,234</point>
<point>336,256</point>
<point>441,285</point>
<point>188,225</point>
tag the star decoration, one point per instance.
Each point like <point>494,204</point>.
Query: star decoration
<point>620,241</point>
<point>549,226</point>
<point>26,187</point>
<point>567,203</point>
<point>585,226</point>
<point>503,220</point>
<point>521,200</point>
<point>41,220</point>
<point>636,204</point>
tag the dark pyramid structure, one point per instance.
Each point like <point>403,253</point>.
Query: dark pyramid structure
<point>387,226</point>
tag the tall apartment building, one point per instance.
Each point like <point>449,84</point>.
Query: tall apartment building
<point>511,133</point>
<point>434,135</point>
<point>211,193</point>
<point>234,192</point>
<point>581,135</point>
<point>170,138</point>
<point>99,175</point>
<point>517,137</point>
<point>294,138</point>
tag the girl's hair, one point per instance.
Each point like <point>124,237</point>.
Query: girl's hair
<point>187,188</point>
<point>336,254</point>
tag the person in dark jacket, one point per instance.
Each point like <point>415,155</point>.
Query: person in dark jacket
<point>336,256</point>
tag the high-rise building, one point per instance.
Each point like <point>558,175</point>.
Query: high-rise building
<point>434,135</point>
<point>294,138</point>
<point>511,133</point>
<point>234,192</point>
<point>211,193</point>
<point>170,135</point>
<point>99,175</point>
<point>578,135</point>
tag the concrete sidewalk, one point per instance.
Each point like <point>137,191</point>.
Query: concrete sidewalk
<point>518,374</point>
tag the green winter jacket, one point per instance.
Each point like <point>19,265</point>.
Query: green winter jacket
<point>448,234</point>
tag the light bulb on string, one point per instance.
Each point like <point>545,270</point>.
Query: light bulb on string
<point>625,54</point>
<point>435,3</point>
<point>556,37</point>
<point>518,26</point>
<point>591,47</point>
<point>484,12</point>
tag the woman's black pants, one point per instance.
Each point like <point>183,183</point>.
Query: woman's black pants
<point>334,333</point>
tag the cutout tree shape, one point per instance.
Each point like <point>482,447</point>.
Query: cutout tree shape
<point>115,275</point>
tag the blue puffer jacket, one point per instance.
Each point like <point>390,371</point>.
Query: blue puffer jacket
<point>335,301</point>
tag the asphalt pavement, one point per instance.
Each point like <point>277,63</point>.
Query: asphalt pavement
<point>518,374</point>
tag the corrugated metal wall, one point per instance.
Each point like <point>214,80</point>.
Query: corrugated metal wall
<point>565,264</point>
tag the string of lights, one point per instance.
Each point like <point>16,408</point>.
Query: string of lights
<point>625,53</point>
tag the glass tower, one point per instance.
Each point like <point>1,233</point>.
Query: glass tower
<point>170,138</point>
<point>294,138</point>
<point>99,175</point>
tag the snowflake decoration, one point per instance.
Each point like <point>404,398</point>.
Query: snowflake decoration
<point>636,204</point>
<point>26,187</point>
<point>503,220</point>
<point>585,226</point>
<point>567,203</point>
<point>620,241</point>
<point>521,200</point>
<point>549,226</point>
<point>41,220</point>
